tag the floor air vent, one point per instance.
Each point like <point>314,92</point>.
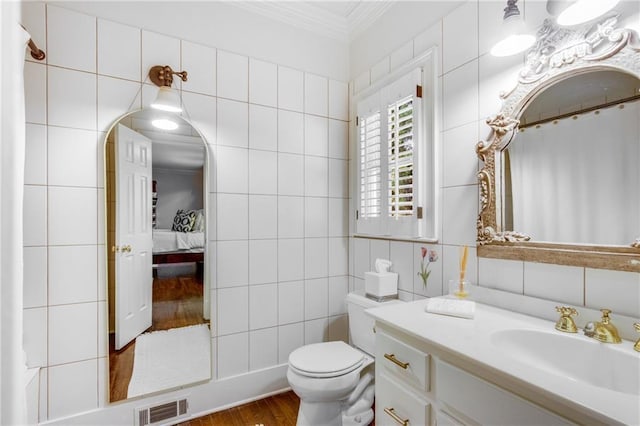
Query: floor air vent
<point>157,414</point>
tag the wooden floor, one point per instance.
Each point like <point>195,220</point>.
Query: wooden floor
<point>177,302</point>
<point>276,410</point>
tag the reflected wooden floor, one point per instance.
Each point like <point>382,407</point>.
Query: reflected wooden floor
<point>177,302</point>
<point>276,410</point>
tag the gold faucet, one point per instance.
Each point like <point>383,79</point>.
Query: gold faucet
<point>565,322</point>
<point>603,330</point>
<point>636,325</point>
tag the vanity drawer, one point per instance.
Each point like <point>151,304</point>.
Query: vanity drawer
<point>400,360</point>
<point>485,402</point>
<point>396,403</point>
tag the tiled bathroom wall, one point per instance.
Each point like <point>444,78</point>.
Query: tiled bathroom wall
<point>278,201</point>
<point>469,83</point>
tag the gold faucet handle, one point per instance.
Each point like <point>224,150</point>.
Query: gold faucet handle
<point>566,323</point>
<point>636,325</point>
<point>566,311</point>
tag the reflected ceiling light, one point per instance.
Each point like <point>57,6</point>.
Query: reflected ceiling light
<point>164,124</point>
<point>574,12</point>
<point>167,99</point>
<point>516,40</point>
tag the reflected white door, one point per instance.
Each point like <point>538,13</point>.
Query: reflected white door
<point>133,239</point>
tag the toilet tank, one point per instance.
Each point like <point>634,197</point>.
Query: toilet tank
<point>360,324</point>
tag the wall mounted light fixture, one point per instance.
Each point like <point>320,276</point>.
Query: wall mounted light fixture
<point>516,40</point>
<point>574,12</point>
<point>167,99</point>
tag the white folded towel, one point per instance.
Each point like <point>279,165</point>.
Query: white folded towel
<point>451,307</point>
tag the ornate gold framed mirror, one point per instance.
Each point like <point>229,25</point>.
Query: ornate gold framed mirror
<point>560,181</point>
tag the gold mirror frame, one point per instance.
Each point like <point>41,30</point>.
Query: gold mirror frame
<point>559,53</point>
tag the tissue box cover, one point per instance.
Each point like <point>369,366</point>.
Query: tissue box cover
<point>381,284</point>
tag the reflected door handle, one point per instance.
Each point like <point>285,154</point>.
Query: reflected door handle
<point>126,249</point>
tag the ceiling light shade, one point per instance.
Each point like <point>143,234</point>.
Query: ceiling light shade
<point>167,100</point>
<point>574,12</point>
<point>516,40</point>
<point>164,124</point>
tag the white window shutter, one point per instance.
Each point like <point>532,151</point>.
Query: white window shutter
<point>403,127</point>
<point>389,159</point>
<point>370,216</point>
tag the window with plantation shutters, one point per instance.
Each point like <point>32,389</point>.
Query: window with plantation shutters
<point>400,157</point>
<point>395,158</point>
<point>370,166</point>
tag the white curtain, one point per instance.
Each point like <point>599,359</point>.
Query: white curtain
<point>12,147</point>
<point>578,180</point>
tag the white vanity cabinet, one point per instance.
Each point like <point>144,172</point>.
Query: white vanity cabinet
<point>416,385</point>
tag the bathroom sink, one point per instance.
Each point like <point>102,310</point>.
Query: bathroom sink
<point>574,356</point>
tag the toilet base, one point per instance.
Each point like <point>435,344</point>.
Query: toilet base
<point>330,414</point>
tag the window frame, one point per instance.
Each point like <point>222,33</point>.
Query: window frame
<point>426,146</point>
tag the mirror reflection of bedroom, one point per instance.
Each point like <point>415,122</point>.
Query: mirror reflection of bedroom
<point>159,310</point>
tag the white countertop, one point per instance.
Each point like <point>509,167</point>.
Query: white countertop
<point>472,338</point>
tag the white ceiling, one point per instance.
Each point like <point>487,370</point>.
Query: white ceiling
<point>341,20</point>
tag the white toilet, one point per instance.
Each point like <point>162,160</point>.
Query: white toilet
<point>334,380</point>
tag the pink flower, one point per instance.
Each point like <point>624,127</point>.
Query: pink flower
<point>424,269</point>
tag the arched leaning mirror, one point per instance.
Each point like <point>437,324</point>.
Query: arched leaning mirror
<point>560,181</point>
<point>158,294</point>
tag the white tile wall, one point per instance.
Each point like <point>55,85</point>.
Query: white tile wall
<point>269,225</point>
<point>263,348</point>
<point>233,355</point>
<point>71,98</point>
<point>290,337</point>
<point>290,89</point>
<point>263,306</point>
<point>316,95</point>
<point>118,50</point>
<point>316,135</point>
<point>263,127</point>
<point>72,388</point>
<point>233,76</point>
<point>71,39</point>
<point>470,84</point>
<point>35,171</point>
<point>291,132</point>
<point>263,83</point>
<point>263,216</point>
<point>35,277</point>
<point>263,261</point>
<point>202,60</point>
<point>291,302</point>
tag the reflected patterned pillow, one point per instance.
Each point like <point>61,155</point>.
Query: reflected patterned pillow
<point>184,221</point>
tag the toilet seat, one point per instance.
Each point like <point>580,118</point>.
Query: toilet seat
<point>324,360</point>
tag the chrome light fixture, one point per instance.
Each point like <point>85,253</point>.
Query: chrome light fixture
<point>574,12</point>
<point>516,40</point>
<point>167,99</point>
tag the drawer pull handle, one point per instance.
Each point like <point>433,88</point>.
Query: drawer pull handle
<point>393,359</point>
<point>392,413</point>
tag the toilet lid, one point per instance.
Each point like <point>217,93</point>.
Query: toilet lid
<point>329,359</point>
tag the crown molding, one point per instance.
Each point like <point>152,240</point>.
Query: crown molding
<point>364,15</point>
<point>305,15</point>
